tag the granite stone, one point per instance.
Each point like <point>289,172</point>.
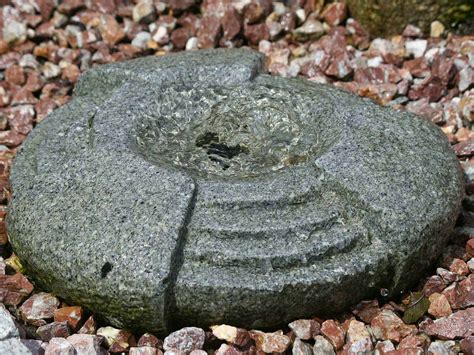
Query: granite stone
<point>195,189</point>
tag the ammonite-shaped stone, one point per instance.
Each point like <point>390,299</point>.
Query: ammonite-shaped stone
<point>195,189</point>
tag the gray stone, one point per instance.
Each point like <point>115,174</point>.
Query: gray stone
<point>301,348</point>
<point>17,346</point>
<point>195,189</point>
<point>8,328</point>
<point>322,346</point>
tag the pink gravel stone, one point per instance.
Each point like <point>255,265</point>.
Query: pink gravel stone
<point>367,310</point>
<point>467,345</point>
<point>339,66</point>
<point>89,326</point>
<point>358,339</point>
<point>225,349</point>
<point>388,326</point>
<point>275,342</point>
<point>38,308</point>
<point>233,335</point>
<point>15,75</point>
<point>305,329</point>
<point>256,33</point>
<point>384,347</point>
<point>11,138</point>
<point>412,341</point>
<point>209,33</point>
<point>231,24</point>
<point>458,325</point>
<point>148,339</point>
<point>53,330</point>
<point>418,67</point>
<point>20,118</point>
<point>180,36</point>
<point>85,344</point>
<point>144,350</point>
<point>459,266</point>
<point>14,288</point>
<point>439,306</point>
<point>110,30</point>
<point>72,315</point>
<point>59,346</point>
<point>185,339</point>
<point>465,294</point>
<point>335,13</point>
<point>412,31</point>
<point>334,332</point>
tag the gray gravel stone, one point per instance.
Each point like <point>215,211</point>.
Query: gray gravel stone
<point>8,328</point>
<point>195,189</point>
<point>322,346</point>
<point>17,346</point>
<point>301,348</point>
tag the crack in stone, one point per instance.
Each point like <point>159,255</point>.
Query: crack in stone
<point>90,127</point>
<point>177,260</point>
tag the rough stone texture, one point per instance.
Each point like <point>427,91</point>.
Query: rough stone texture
<point>17,346</point>
<point>8,328</point>
<point>186,339</point>
<point>165,187</point>
<point>383,18</point>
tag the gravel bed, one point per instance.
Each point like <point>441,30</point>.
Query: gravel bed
<point>44,47</point>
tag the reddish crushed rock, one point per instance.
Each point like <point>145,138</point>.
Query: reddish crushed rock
<point>14,289</point>
<point>150,340</point>
<point>334,333</point>
<point>44,47</point>
<point>388,326</point>
<point>439,306</point>
<point>72,315</point>
<point>305,329</point>
<point>457,325</point>
<point>38,308</point>
<point>186,339</point>
<point>236,336</point>
<point>275,342</point>
<point>53,330</point>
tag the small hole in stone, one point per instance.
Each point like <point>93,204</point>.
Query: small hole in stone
<point>206,138</point>
<point>224,150</point>
<point>106,268</point>
<point>217,150</point>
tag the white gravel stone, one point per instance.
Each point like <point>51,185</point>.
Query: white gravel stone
<point>14,31</point>
<point>416,47</point>
<point>8,328</point>
<point>141,40</point>
<point>192,44</point>
<point>437,29</point>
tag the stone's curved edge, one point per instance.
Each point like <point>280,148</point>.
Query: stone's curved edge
<point>264,294</point>
<point>277,291</point>
<point>64,249</point>
<point>418,207</point>
<point>253,299</point>
<point>222,66</point>
<point>69,250</point>
<point>410,214</point>
<point>54,174</point>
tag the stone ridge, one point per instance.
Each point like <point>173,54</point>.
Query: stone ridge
<point>156,193</point>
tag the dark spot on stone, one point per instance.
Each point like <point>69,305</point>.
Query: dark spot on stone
<point>225,151</point>
<point>206,138</point>
<point>106,268</point>
<point>214,149</point>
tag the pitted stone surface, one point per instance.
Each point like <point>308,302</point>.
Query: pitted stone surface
<point>194,189</point>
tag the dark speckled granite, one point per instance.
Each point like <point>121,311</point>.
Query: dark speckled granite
<point>103,214</point>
